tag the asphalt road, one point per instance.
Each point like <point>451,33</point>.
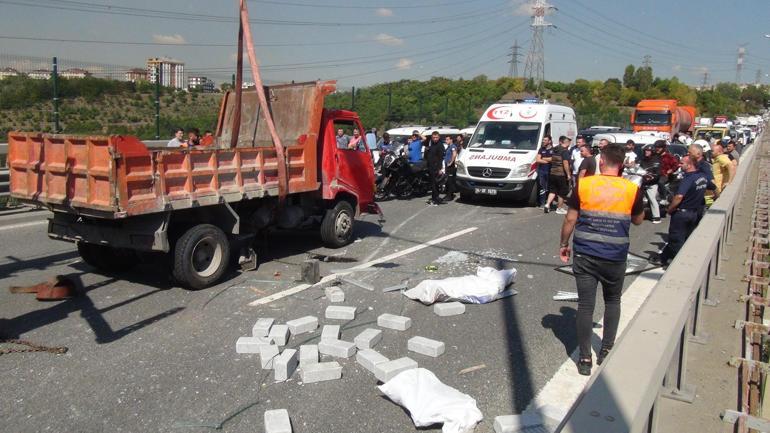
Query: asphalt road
<point>146,356</point>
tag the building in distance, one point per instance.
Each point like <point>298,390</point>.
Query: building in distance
<point>170,71</point>
<point>136,74</point>
<point>8,72</point>
<point>200,83</point>
<point>75,73</point>
<point>40,74</point>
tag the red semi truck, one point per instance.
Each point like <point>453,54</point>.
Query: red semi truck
<point>663,115</point>
<point>120,200</point>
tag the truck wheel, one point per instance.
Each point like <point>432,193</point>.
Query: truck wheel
<point>107,258</point>
<point>201,256</point>
<point>337,225</point>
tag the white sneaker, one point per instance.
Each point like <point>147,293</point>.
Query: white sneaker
<point>561,211</point>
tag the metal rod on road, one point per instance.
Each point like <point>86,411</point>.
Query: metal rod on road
<point>157,103</point>
<point>55,79</point>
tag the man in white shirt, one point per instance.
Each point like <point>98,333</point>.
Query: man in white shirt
<point>630,158</point>
<point>178,140</point>
<point>575,155</point>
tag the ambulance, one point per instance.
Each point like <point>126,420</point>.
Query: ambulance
<point>500,158</point>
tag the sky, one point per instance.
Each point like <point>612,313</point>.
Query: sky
<point>363,42</point>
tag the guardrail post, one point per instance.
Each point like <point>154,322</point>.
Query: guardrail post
<point>717,259</point>
<point>708,301</point>
<point>675,384</point>
<point>652,421</point>
<point>698,336</point>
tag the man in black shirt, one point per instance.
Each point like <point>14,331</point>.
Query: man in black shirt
<point>559,178</point>
<point>588,165</point>
<point>434,155</point>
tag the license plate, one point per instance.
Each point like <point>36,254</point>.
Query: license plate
<point>488,191</point>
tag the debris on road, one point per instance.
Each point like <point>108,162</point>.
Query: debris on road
<point>385,371</point>
<point>277,421</point>
<point>453,257</point>
<point>279,334</point>
<point>330,332</point>
<point>340,312</point>
<point>262,327</point>
<point>431,268</point>
<point>321,371</point>
<point>57,288</point>
<point>311,271</point>
<point>472,369</point>
<point>302,325</point>
<point>369,359</point>
<point>429,401</point>
<point>356,283</point>
<point>426,346</point>
<point>285,364</point>
<point>486,286</point>
<point>267,355</point>
<point>368,338</point>
<point>250,344</point>
<point>445,309</point>
<point>400,286</point>
<point>337,348</point>
<point>391,321</point>
<point>308,354</point>
<point>334,294</point>
<point>565,296</point>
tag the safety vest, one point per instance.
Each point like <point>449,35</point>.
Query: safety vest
<point>605,217</point>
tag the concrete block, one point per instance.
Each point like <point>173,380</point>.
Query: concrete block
<point>279,334</point>
<point>337,348</point>
<point>391,321</point>
<point>285,364</point>
<point>311,271</point>
<point>262,327</point>
<point>368,339</point>
<point>340,312</point>
<point>277,421</point>
<point>385,371</point>
<point>250,344</point>
<point>308,354</point>
<point>426,346</point>
<point>334,294</point>
<point>528,422</point>
<point>369,358</point>
<point>444,309</point>
<point>330,332</point>
<point>321,371</point>
<point>267,355</point>
<point>302,325</point>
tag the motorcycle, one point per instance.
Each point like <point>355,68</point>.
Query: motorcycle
<point>401,179</point>
<point>666,190</point>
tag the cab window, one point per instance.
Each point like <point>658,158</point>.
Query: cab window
<point>348,136</point>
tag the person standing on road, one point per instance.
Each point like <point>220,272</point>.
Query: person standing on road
<point>601,210</point>
<point>451,170</point>
<point>543,161</point>
<point>434,155</point>
<point>651,164</point>
<point>685,209</point>
<point>415,147</point>
<point>371,138</point>
<point>559,177</point>
<point>460,142</point>
<point>577,155</point>
<point>723,169</point>
<point>732,153</point>
<point>178,140</point>
<point>630,159</point>
<point>588,164</point>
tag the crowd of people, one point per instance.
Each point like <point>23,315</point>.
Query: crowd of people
<point>194,138</point>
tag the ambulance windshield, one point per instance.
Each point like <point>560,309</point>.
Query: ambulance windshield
<point>506,135</point>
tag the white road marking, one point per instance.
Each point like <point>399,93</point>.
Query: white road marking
<point>558,395</point>
<point>301,287</point>
<point>22,225</point>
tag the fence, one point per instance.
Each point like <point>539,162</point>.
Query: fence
<point>649,361</point>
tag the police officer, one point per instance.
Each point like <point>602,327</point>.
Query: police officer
<point>434,155</point>
<point>685,209</point>
<point>601,210</point>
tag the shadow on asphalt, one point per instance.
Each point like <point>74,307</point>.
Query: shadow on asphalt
<point>563,327</point>
<point>39,263</point>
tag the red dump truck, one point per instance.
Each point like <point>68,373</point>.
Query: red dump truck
<point>121,201</point>
<point>663,115</point>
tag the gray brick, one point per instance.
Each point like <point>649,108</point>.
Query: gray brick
<point>285,364</point>
<point>330,332</point>
<point>279,334</point>
<point>262,327</point>
<point>369,358</point>
<point>426,346</point>
<point>267,355</point>
<point>308,354</point>
<point>391,321</point>
<point>334,294</point>
<point>388,370</point>
<point>340,312</point>
<point>321,371</point>
<point>302,325</point>
<point>277,421</point>
<point>444,309</point>
<point>368,339</point>
<point>250,344</point>
<point>337,348</point>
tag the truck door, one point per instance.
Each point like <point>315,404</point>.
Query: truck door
<point>352,165</point>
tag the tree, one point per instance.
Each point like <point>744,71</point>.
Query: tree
<point>629,78</point>
<point>643,78</point>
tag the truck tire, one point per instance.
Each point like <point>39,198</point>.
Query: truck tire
<point>106,258</point>
<point>201,256</point>
<point>337,225</point>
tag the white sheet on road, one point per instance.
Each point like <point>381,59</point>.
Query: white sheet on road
<point>486,286</point>
<point>429,401</point>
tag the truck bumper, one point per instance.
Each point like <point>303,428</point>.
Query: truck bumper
<point>142,233</point>
<point>516,190</point>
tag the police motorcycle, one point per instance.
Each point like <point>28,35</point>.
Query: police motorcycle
<point>398,178</point>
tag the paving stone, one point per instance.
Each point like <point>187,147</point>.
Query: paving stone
<point>444,309</point>
<point>279,334</point>
<point>340,312</point>
<point>426,346</point>
<point>385,371</point>
<point>302,325</point>
<point>262,327</point>
<point>308,354</point>
<point>330,332</point>
<point>368,338</point>
<point>267,355</point>
<point>337,348</point>
<point>285,364</point>
<point>321,371</point>
<point>250,344</point>
<point>334,294</point>
<point>277,421</point>
<point>369,358</point>
<point>391,321</point>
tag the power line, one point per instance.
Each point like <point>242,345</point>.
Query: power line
<point>342,6</point>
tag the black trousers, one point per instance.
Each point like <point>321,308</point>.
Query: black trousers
<point>451,181</point>
<point>682,224</point>
<point>589,271</point>
<point>434,183</point>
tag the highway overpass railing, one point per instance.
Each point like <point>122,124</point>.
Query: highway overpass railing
<point>649,361</point>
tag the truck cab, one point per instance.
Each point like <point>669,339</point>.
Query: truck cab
<point>500,157</point>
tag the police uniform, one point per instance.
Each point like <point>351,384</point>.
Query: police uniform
<point>687,215</point>
<point>605,206</point>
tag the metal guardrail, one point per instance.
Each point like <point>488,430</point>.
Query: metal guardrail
<point>650,360</point>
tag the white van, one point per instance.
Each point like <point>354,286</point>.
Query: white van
<point>500,158</point>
